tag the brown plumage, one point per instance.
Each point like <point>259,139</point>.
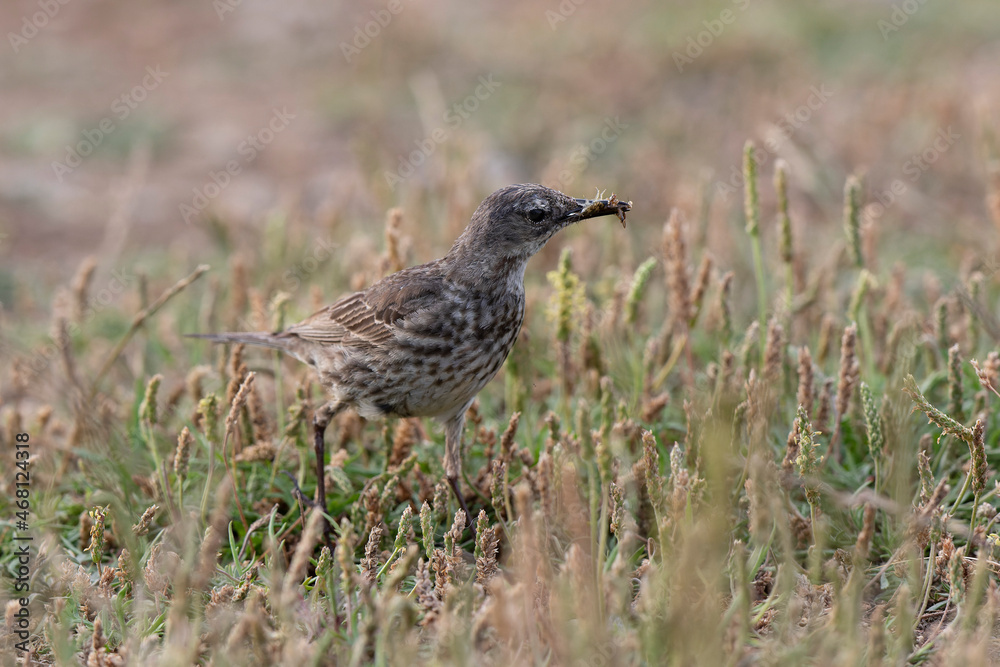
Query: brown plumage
<point>424,341</point>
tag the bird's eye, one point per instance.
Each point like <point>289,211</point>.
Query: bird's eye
<point>536,215</point>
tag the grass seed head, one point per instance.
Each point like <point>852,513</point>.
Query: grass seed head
<point>847,376</point>
<point>873,421</point>
<point>507,441</point>
<point>809,459</point>
<point>978,451</point>
<point>935,416</point>
<point>861,288</point>
<point>208,408</point>
<point>675,257</point>
<point>238,403</point>
<point>700,286</point>
<point>278,307</point>
<point>369,564</point>
<point>723,306</point>
<point>791,448</point>
<point>96,545</point>
<point>568,299</point>
<point>148,408</point>
<point>183,452</point>
<point>955,408</point>
<point>487,545</point>
<point>784,222</point>
<point>80,287</point>
<point>393,259</point>
<point>651,465</point>
<point>825,403</point>
<point>405,522</point>
<point>427,528</point>
<point>639,282</point>
<point>863,543</point>
<point>617,524</point>
<point>852,219</point>
<point>498,487</point>
<point>546,484</point>
<point>924,472</point>
<point>324,564</point>
<point>405,436</point>
<point>774,352</point>
<point>748,345</point>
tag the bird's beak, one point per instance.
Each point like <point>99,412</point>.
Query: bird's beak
<point>594,208</point>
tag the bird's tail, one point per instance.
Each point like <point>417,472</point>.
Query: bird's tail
<point>260,338</point>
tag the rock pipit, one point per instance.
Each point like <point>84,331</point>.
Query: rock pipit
<point>423,341</point>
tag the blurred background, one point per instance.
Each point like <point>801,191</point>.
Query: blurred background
<point>157,134</point>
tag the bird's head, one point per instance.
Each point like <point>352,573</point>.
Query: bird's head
<point>516,221</point>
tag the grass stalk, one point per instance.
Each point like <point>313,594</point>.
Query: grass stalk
<point>751,208</point>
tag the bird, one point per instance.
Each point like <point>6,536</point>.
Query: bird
<point>422,342</point>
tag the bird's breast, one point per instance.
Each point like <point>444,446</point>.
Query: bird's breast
<point>439,361</point>
<point>461,357</point>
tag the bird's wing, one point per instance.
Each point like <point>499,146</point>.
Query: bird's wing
<point>371,317</point>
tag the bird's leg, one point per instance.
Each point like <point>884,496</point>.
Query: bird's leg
<point>320,421</point>
<point>453,458</point>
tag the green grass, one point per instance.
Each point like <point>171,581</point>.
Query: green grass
<point>657,511</point>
